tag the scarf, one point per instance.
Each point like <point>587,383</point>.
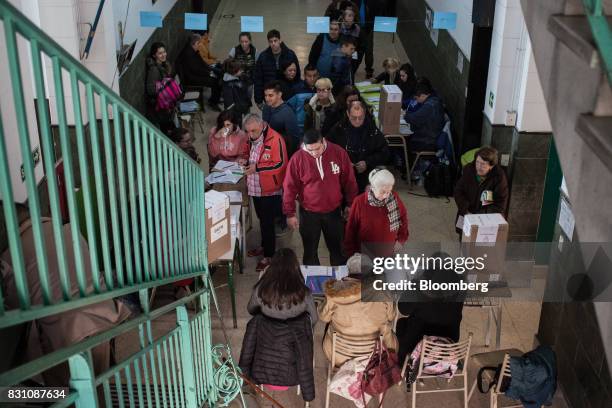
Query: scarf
<point>392,209</point>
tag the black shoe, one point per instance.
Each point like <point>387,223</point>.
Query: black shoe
<point>214,106</point>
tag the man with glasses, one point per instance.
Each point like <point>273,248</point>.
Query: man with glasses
<point>365,144</point>
<point>317,108</point>
<point>320,178</point>
<point>321,51</point>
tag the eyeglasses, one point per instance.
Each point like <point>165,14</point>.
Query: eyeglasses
<point>323,89</point>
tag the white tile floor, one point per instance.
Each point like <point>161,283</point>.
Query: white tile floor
<point>431,220</point>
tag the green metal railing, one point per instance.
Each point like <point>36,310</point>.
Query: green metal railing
<point>601,32</point>
<point>141,200</point>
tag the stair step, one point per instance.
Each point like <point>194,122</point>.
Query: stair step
<point>575,33</point>
<point>596,131</point>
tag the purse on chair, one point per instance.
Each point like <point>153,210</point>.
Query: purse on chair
<point>381,373</point>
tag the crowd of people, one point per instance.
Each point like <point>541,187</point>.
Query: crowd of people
<point>316,161</point>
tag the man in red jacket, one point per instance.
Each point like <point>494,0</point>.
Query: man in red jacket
<point>321,177</point>
<point>265,173</point>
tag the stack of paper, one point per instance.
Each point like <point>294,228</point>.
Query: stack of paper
<point>315,270</point>
<point>188,107</point>
<point>224,165</point>
<point>223,177</point>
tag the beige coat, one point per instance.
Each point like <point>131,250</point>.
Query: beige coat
<point>349,315</point>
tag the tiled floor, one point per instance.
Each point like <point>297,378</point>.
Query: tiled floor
<point>431,220</point>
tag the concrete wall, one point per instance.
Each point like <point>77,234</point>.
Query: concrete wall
<point>580,333</point>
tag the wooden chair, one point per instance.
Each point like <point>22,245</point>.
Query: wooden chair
<point>397,140</point>
<point>456,352</point>
<point>350,347</point>
<point>492,359</point>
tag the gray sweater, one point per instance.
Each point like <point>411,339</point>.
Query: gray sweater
<point>256,305</point>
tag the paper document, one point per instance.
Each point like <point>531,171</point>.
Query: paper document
<point>363,83</point>
<point>341,271</point>
<point>223,177</point>
<point>187,107</point>
<point>234,196</point>
<point>223,165</point>
<point>487,233</point>
<point>316,270</point>
<point>459,223</point>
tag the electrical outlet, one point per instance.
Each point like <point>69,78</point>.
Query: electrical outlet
<point>505,160</point>
<point>510,118</point>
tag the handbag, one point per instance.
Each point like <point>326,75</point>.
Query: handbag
<point>381,373</point>
<point>169,92</point>
<point>347,382</point>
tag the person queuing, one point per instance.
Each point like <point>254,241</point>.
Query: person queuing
<point>269,62</point>
<point>350,29</point>
<point>236,95</point>
<point>318,107</point>
<point>366,11</point>
<point>348,315</point>
<point>378,222</point>
<point>390,75</point>
<point>347,95</point>
<point>280,116</point>
<point>320,178</point>
<point>341,70</point>
<point>158,69</point>
<point>365,144</point>
<point>427,121</point>
<point>483,186</point>
<point>246,53</point>
<point>302,93</point>
<point>335,9</point>
<point>277,347</point>
<point>207,56</point>
<point>227,141</point>
<point>289,81</point>
<point>322,48</point>
<point>266,169</point>
<point>195,72</point>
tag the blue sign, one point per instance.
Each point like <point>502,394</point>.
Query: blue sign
<point>444,21</point>
<point>317,25</point>
<point>252,24</point>
<point>196,21</point>
<point>150,19</point>
<point>385,24</point>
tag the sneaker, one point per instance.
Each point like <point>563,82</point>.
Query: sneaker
<point>263,264</point>
<point>255,252</point>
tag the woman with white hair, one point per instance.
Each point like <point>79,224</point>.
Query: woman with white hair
<point>348,315</point>
<point>378,221</point>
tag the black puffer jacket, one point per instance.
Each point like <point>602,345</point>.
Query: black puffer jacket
<point>266,71</point>
<point>279,352</point>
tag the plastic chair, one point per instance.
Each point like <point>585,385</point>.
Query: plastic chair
<point>456,352</point>
<point>350,347</point>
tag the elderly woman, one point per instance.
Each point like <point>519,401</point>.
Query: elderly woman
<point>483,186</point>
<point>378,220</point>
<point>317,108</point>
<point>349,316</point>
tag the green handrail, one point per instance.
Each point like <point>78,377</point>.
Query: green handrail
<point>601,33</point>
<point>142,197</point>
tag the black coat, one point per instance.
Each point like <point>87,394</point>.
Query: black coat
<point>279,352</point>
<point>372,148</point>
<point>191,67</point>
<point>236,93</point>
<point>266,71</point>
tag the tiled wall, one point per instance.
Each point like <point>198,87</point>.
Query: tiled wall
<point>132,82</point>
<point>574,332</point>
<point>438,63</point>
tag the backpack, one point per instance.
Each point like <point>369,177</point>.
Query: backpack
<point>169,92</point>
<point>439,179</point>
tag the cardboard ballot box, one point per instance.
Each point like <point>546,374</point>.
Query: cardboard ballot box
<point>218,227</point>
<point>486,235</point>
<point>390,109</point>
<point>240,186</point>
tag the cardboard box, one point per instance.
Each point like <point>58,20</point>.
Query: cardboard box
<point>390,109</point>
<point>486,235</point>
<point>218,226</point>
<point>239,186</point>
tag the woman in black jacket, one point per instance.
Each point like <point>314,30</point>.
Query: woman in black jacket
<point>158,68</point>
<point>277,348</point>
<point>236,95</point>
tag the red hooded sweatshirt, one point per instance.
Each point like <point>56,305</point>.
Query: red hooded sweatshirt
<point>320,185</point>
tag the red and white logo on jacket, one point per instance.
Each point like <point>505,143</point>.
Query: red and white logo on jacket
<point>335,168</point>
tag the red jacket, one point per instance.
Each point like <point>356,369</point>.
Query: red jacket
<point>315,192</point>
<point>272,162</point>
<point>368,224</point>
